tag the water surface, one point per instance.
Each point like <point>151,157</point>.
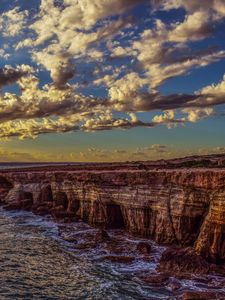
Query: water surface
<point>40,259</point>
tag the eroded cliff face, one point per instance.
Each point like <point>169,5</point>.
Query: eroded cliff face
<point>181,207</point>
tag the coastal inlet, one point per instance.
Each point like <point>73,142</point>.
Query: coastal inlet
<point>42,259</point>
<point>112,234</point>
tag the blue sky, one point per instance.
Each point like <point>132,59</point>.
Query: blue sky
<point>110,80</point>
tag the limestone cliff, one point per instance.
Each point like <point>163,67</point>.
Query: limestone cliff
<point>184,207</point>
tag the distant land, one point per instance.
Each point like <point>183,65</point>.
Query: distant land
<point>194,161</point>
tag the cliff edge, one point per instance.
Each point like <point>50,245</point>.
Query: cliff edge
<point>184,207</point>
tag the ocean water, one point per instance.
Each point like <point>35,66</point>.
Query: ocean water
<point>37,263</point>
<point>41,259</point>
<point>4,166</point>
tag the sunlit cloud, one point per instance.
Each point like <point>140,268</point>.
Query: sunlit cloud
<point>103,68</point>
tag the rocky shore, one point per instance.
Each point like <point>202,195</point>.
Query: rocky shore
<point>183,208</point>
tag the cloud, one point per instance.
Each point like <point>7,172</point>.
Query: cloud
<point>131,154</point>
<point>125,89</point>
<point>196,114</point>
<point>12,22</point>
<point>7,155</point>
<point>48,110</point>
<point>67,29</point>
<point>84,14</point>
<point>215,89</point>
<point>59,65</point>
<point>151,152</point>
<point>8,75</point>
<point>106,67</point>
<point>159,75</point>
<point>108,122</point>
<point>161,51</point>
<point>215,6</point>
<point>4,54</point>
<point>195,27</point>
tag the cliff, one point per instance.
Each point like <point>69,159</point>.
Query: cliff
<point>184,207</point>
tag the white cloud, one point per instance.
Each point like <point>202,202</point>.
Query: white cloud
<point>215,89</point>
<point>13,22</point>
<point>86,52</point>
<point>196,114</point>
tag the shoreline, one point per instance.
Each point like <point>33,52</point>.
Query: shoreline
<point>181,207</point>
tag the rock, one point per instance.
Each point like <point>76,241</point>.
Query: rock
<point>174,284</point>
<point>12,206</point>
<point>194,295</point>
<point>26,204</point>
<point>144,248</point>
<point>155,279</point>
<point>41,210</point>
<point>183,207</point>
<point>102,236</point>
<point>179,261</point>
<point>61,200</point>
<point>59,212</point>
<point>70,239</point>
<point>87,245</point>
<point>5,186</point>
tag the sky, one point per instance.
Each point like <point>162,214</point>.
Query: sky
<point>111,80</point>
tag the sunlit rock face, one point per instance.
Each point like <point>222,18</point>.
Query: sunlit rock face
<point>183,207</point>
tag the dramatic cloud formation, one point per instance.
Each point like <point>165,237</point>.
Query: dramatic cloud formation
<point>103,66</point>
